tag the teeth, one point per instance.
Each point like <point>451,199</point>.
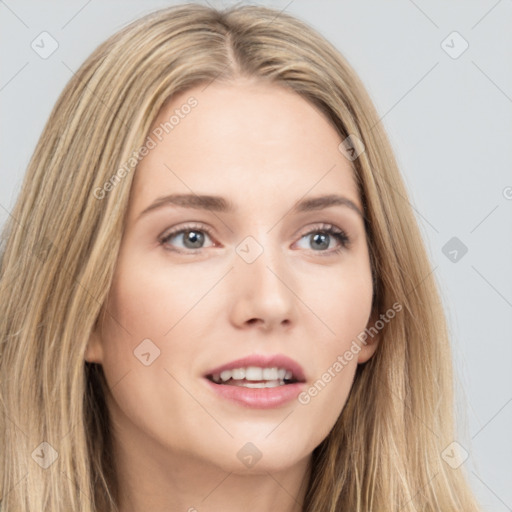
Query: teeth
<point>239,373</point>
<point>253,373</point>
<point>246,384</point>
<point>225,375</point>
<point>273,376</point>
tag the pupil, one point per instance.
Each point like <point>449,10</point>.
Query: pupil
<point>195,238</point>
<point>321,237</point>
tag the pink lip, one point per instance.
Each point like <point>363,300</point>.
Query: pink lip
<point>270,361</point>
<point>260,398</point>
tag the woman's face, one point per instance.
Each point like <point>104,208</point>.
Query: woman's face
<point>249,270</point>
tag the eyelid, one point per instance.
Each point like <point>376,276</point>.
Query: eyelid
<point>340,234</point>
<point>322,226</point>
<point>180,229</point>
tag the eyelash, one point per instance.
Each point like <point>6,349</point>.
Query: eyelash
<point>338,234</point>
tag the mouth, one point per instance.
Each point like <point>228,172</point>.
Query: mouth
<point>254,377</point>
<point>258,372</point>
<point>258,381</point>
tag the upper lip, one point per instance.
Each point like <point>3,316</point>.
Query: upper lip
<point>263,361</point>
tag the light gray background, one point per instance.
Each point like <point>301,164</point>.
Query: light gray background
<point>449,120</point>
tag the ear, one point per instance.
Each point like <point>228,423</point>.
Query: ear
<point>94,349</point>
<point>370,338</point>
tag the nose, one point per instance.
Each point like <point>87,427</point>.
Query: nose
<point>262,292</point>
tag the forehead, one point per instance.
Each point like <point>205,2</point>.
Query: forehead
<point>255,143</point>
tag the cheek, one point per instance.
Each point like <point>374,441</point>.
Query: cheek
<point>155,310</point>
<point>342,298</point>
<point>343,302</point>
<point>149,302</point>
<point>146,339</point>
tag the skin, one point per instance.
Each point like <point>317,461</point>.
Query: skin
<point>175,441</point>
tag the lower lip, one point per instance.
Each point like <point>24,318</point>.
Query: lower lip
<point>258,398</point>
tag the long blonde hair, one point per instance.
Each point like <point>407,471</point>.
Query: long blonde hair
<point>61,243</point>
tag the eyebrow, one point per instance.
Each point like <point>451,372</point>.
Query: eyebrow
<point>221,204</point>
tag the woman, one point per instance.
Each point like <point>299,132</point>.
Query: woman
<point>214,294</point>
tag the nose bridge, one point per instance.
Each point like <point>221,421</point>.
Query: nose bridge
<point>263,280</point>
<point>256,256</point>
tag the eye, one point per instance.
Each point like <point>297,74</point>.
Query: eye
<point>321,238</point>
<point>193,237</point>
